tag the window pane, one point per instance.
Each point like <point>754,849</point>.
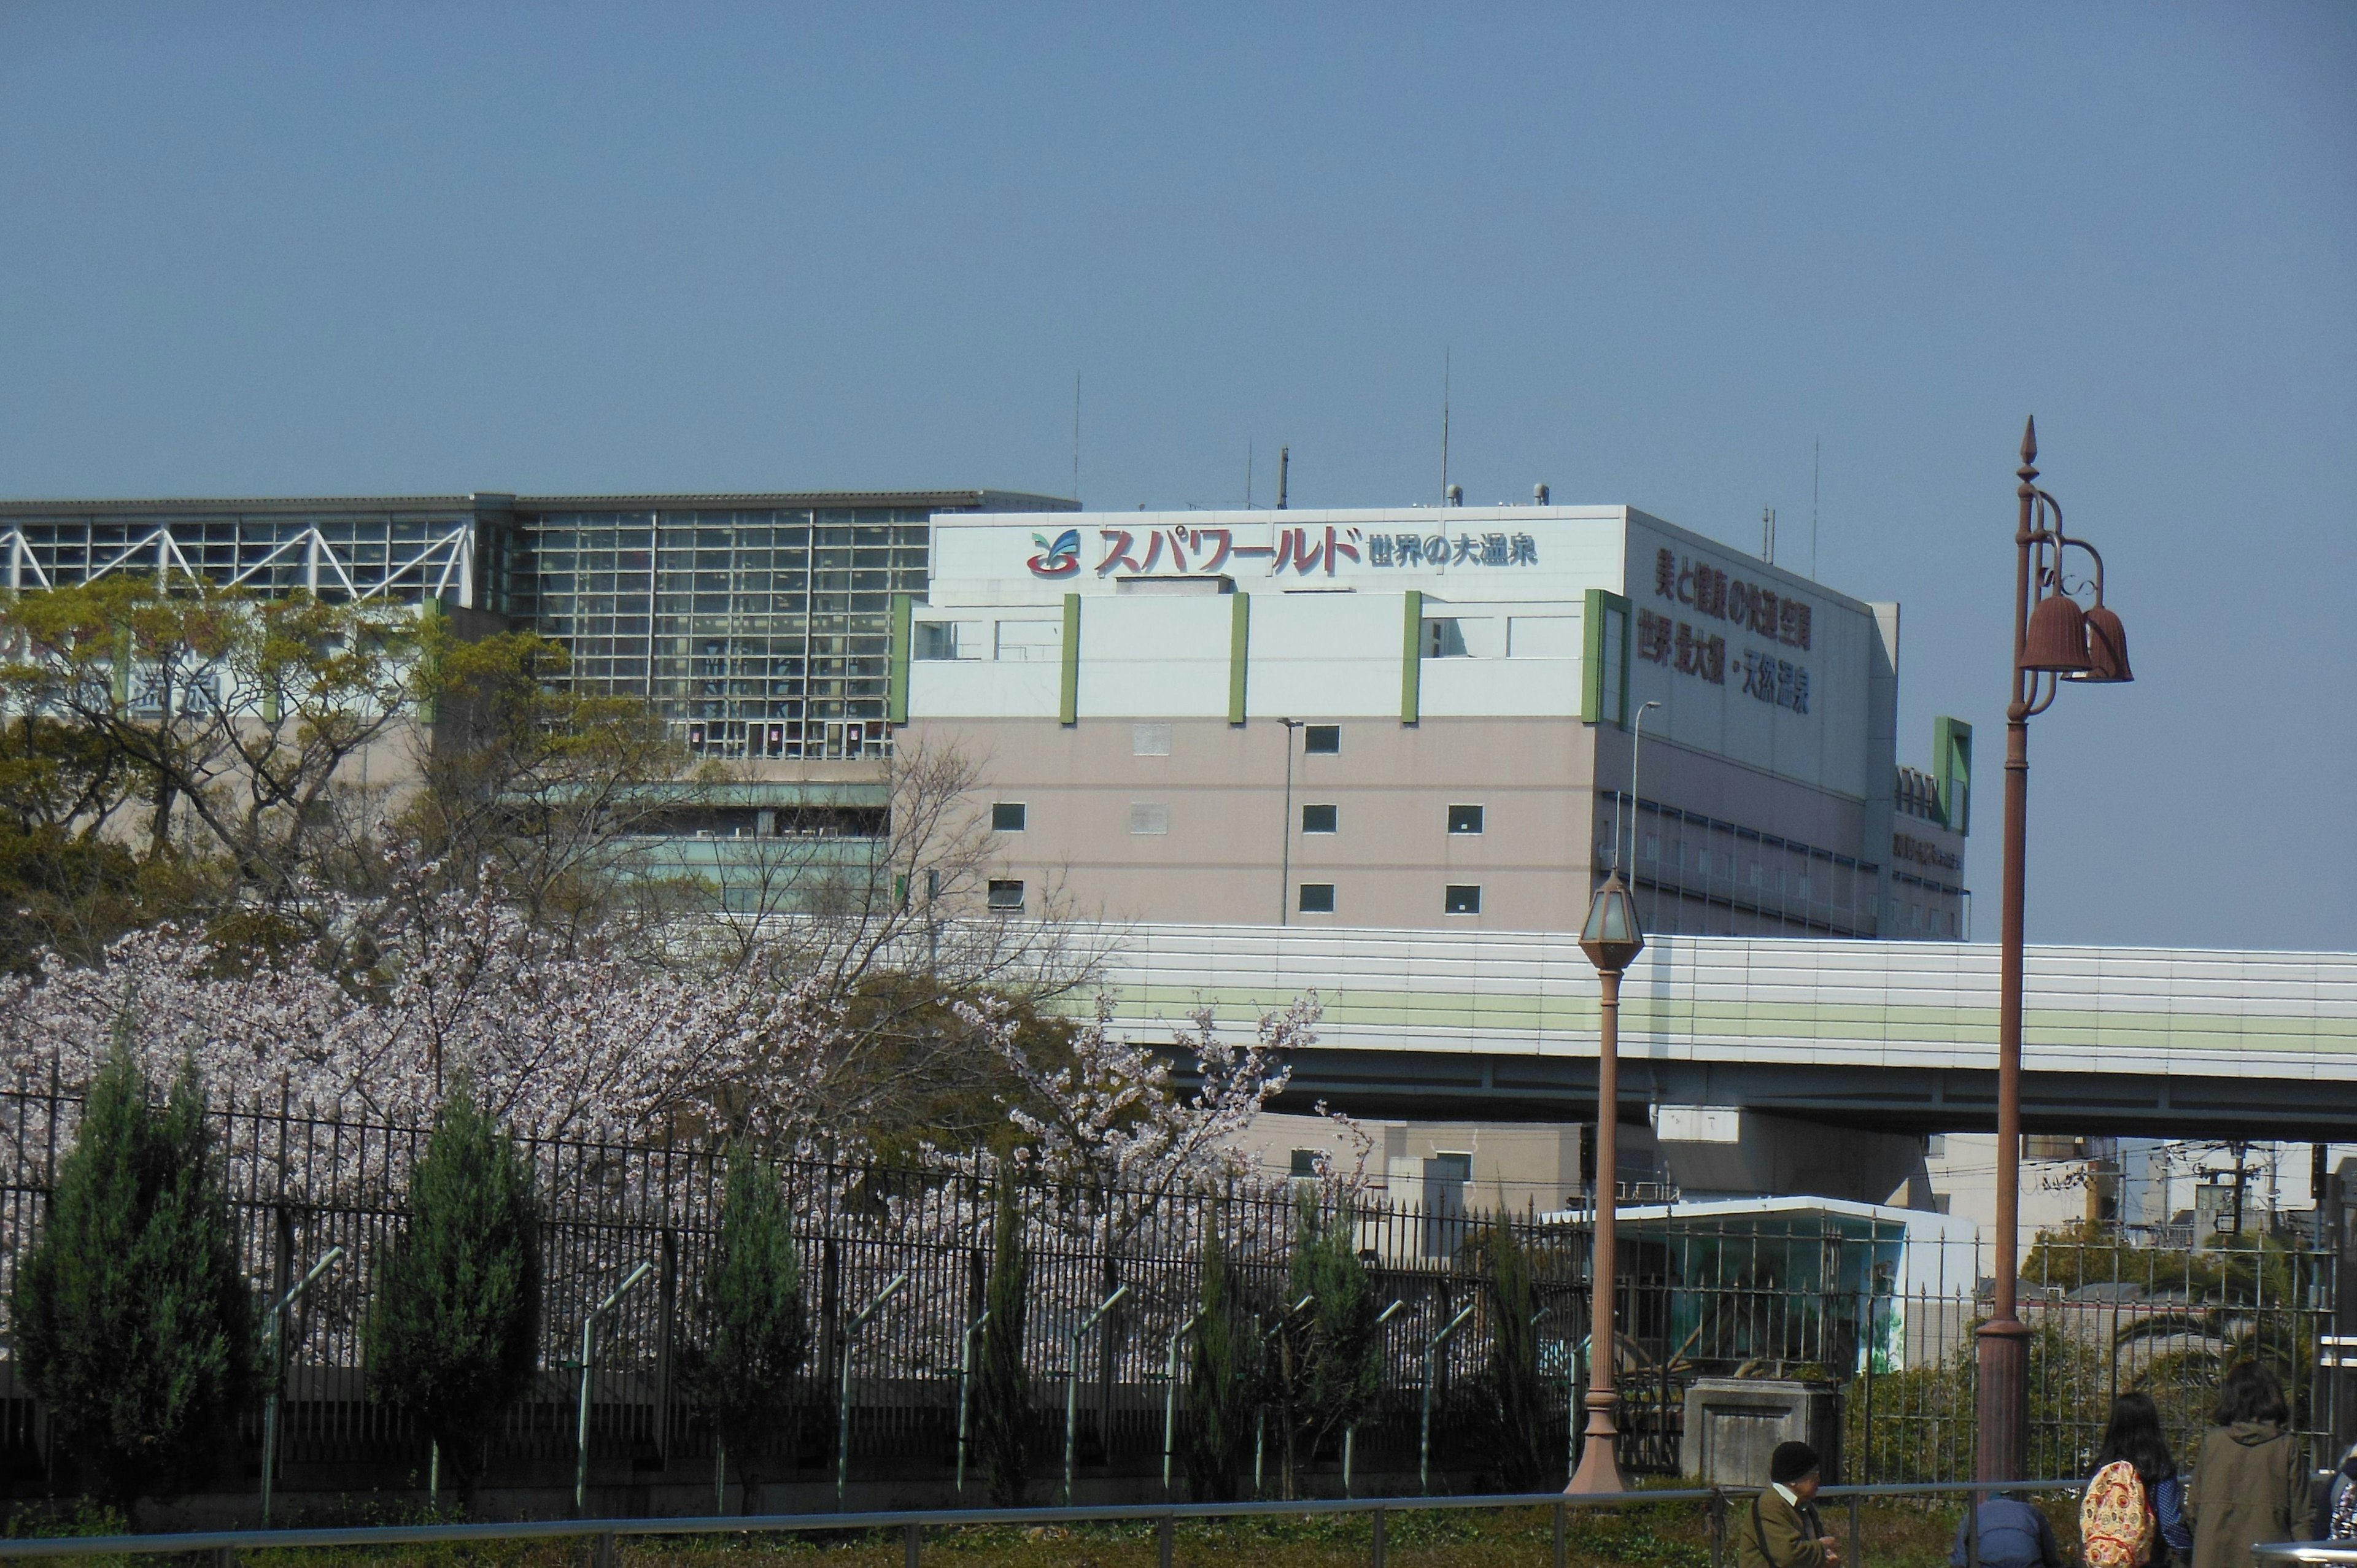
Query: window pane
<point>1321,740</point>
<point>1464,818</point>
<point>1006,895</point>
<point>1007,817</point>
<point>1463,900</point>
<point>1318,819</point>
<point>1316,898</point>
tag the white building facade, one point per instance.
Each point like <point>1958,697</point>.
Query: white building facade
<point>1420,717</point>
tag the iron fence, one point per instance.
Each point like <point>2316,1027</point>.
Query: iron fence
<point>1878,1309</point>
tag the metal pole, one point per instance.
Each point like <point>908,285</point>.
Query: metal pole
<point>276,1339</point>
<point>1171,1397</point>
<point>1424,1444</point>
<point>1627,864</point>
<point>588,1359</point>
<point>965,1390</point>
<point>1072,1384</point>
<point>1350,1432</point>
<point>2001,1346</point>
<point>843,1418</point>
<point>1599,1465</point>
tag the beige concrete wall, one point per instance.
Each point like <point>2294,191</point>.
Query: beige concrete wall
<point>1224,788</point>
<point>1515,1166</point>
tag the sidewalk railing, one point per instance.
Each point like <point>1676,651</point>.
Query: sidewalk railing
<point>608,1534</point>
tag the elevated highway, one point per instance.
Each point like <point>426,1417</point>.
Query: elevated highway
<point>1889,1036</point>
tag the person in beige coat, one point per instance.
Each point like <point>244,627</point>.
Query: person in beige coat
<point>2250,1483</point>
<point>1780,1529</point>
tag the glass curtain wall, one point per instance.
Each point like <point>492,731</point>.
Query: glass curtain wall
<point>755,633</point>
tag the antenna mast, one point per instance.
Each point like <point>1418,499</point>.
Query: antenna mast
<point>1444,426</point>
<point>1816,466</point>
<point>1076,435</point>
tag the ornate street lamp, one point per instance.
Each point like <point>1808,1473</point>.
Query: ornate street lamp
<point>2054,640</point>
<point>1612,940</point>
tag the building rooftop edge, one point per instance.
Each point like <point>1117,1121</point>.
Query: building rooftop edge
<point>469,500</point>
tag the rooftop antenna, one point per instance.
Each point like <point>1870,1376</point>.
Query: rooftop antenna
<point>1444,426</point>
<point>1816,466</point>
<point>1283,474</point>
<point>1076,436</point>
<point>1248,472</point>
<point>1768,534</point>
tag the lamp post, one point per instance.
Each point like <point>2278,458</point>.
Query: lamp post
<point>1611,939</point>
<point>2053,640</point>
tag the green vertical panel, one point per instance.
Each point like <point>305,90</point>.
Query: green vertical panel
<point>1412,660</point>
<point>1952,770</point>
<point>1069,710</point>
<point>1604,659</point>
<point>1239,654</point>
<point>895,690</point>
<point>1628,626</point>
<point>1591,659</point>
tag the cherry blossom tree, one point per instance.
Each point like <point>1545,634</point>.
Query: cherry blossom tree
<point>1110,1135</point>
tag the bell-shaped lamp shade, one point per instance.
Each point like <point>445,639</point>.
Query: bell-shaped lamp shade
<point>2107,647</point>
<point>1611,939</point>
<point>2057,637</point>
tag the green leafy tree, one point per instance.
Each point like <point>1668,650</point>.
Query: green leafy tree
<point>1221,1364</point>
<point>1003,1399</point>
<point>751,1312</point>
<point>1515,1396</point>
<point>131,1320</point>
<point>452,1331</point>
<point>1330,1368</point>
<point>237,713</point>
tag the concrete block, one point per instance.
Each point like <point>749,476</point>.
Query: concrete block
<point>1733,1425</point>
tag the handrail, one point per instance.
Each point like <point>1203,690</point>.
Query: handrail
<point>2305,1551</point>
<point>951,1518</point>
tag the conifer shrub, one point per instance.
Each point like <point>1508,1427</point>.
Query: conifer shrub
<point>1002,1389</point>
<point>1340,1368</point>
<point>1222,1372</point>
<point>1520,1430</point>
<point>753,1337</point>
<point>131,1320</point>
<point>454,1328</point>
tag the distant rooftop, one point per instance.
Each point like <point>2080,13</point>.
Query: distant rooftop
<point>499,500</point>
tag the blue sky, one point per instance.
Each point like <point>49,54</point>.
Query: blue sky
<point>311,250</point>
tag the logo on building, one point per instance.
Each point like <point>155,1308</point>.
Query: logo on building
<point>1060,559</point>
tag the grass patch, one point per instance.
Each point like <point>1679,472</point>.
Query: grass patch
<point>1894,1533</point>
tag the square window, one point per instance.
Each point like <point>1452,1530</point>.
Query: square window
<point>1460,900</point>
<point>1464,818</point>
<point>1007,817</point>
<point>1305,1165</point>
<point>1150,740</point>
<point>1319,818</point>
<point>1316,898</point>
<point>1006,895</point>
<point>1321,740</point>
<point>1147,817</point>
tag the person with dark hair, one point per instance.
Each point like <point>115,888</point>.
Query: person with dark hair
<point>2250,1483</point>
<point>1781,1528</point>
<point>2134,1438</point>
